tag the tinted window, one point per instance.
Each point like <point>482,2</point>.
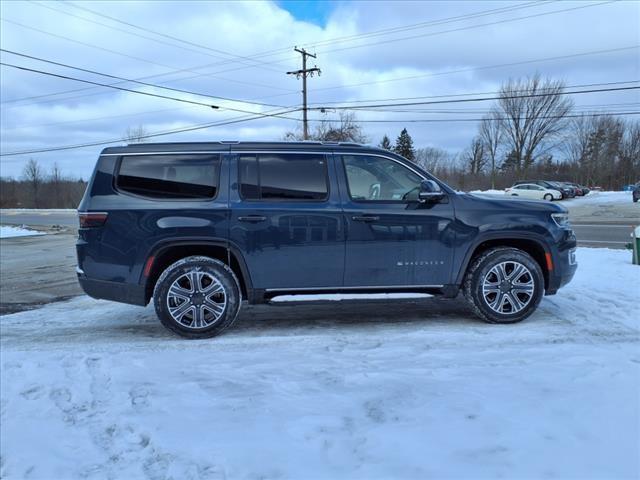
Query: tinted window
<point>170,176</point>
<point>283,177</point>
<point>382,179</point>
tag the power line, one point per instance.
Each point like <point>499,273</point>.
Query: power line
<point>136,81</point>
<point>584,85</point>
<point>156,134</point>
<point>139,92</point>
<point>465,100</point>
<point>172,71</point>
<point>114,52</point>
<point>279,115</point>
<point>430,23</point>
<point>485,67</point>
<point>85,120</point>
<point>42,72</point>
<point>171,37</point>
<point>270,53</point>
<point>454,120</point>
<point>147,112</point>
<point>182,47</point>
<point>401,39</point>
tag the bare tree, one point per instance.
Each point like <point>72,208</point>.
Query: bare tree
<point>532,111</point>
<point>32,173</point>
<point>136,134</point>
<point>56,179</point>
<point>475,156</point>
<point>345,129</point>
<point>491,134</point>
<point>631,152</point>
<point>432,159</point>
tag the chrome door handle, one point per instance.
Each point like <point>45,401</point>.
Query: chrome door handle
<point>365,218</point>
<point>252,218</point>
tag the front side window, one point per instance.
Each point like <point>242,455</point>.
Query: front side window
<point>286,176</point>
<point>380,179</point>
<point>170,176</point>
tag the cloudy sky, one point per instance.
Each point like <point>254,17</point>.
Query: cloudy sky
<point>234,55</point>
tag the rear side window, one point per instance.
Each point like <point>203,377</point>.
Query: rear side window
<point>170,176</point>
<point>288,176</point>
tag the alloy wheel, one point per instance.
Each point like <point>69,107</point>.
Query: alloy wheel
<point>508,287</point>
<point>196,299</point>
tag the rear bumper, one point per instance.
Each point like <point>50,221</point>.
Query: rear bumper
<point>114,291</point>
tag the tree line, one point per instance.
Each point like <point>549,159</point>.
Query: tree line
<point>38,188</point>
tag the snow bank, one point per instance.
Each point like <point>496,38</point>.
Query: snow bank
<point>413,389</point>
<point>9,232</point>
<point>488,192</point>
<point>593,198</point>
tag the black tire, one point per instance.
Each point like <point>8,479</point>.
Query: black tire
<point>206,269</point>
<point>548,196</point>
<point>479,270</point>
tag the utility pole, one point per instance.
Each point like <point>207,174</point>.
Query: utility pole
<point>304,73</point>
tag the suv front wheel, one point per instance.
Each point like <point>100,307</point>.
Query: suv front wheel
<point>197,297</point>
<point>504,285</point>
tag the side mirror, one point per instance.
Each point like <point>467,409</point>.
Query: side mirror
<point>430,191</point>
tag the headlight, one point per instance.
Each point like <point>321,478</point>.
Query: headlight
<point>562,220</point>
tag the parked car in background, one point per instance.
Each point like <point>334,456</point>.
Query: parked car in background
<point>581,190</point>
<point>573,190</point>
<point>635,194</point>
<point>545,184</point>
<point>533,191</point>
<point>567,191</point>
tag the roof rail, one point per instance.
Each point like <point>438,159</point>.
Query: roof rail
<point>346,144</point>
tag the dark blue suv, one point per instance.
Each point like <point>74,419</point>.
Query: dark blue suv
<point>199,227</point>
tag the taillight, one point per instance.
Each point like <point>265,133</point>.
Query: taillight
<point>92,219</point>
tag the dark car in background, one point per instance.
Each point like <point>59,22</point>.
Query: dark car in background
<point>567,190</point>
<point>635,193</point>
<point>581,190</point>
<point>199,227</point>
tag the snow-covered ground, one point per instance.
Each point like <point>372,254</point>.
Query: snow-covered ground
<point>412,389</point>
<point>9,232</point>
<point>602,198</point>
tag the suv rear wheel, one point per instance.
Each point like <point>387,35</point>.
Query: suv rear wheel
<point>197,297</point>
<point>504,285</point>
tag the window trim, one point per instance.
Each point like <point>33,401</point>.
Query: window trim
<point>120,190</point>
<point>256,155</point>
<point>346,177</point>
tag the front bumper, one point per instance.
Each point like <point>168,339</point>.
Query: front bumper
<point>564,268</point>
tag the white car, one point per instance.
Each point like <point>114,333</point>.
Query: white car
<point>531,190</point>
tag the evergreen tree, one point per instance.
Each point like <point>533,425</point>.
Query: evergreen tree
<point>510,161</point>
<point>386,143</point>
<point>404,145</point>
